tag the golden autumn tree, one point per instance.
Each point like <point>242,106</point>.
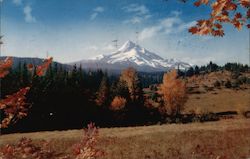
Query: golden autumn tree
<point>103,92</point>
<point>130,77</point>
<point>174,93</point>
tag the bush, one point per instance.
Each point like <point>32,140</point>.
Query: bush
<point>118,103</point>
<point>26,148</point>
<point>248,80</point>
<point>247,114</point>
<point>86,149</point>
<point>217,84</point>
<point>228,84</point>
<point>209,117</point>
<point>235,84</point>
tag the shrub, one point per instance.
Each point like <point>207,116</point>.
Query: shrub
<point>86,149</point>
<point>247,114</point>
<point>209,117</point>
<point>235,84</point>
<point>25,148</point>
<point>228,84</point>
<point>118,103</point>
<point>217,84</point>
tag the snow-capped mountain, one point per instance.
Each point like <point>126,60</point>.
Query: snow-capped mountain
<point>132,55</point>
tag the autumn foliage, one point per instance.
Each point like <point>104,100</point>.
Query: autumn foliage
<point>235,12</point>
<point>26,148</point>
<point>41,70</point>
<point>130,77</point>
<point>14,106</point>
<point>86,149</point>
<point>5,65</point>
<point>174,93</point>
<point>118,103</point>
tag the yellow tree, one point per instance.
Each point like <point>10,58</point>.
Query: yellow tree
<point>130,77</point>
<point>174,93</point>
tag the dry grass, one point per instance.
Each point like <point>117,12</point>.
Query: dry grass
<point>219,100</point>
<point>222,139</point>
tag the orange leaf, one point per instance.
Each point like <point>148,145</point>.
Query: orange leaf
<point>5,65</point>
<point>193,30</point>
<point>238,15</point>
<point>40,71</point>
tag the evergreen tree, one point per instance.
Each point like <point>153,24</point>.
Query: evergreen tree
<point>196,70</point>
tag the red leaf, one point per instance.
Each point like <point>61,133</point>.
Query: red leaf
<point>193,30</point>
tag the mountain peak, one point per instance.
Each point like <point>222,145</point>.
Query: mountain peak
<point>133,55</point>
<point>128,45</point>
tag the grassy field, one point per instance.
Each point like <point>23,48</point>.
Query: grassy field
<point>227,139</point>
<point>219,100</point>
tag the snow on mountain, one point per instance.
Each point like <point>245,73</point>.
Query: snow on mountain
<point>132,55</point>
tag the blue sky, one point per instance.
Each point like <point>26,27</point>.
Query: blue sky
<point>71,30</point>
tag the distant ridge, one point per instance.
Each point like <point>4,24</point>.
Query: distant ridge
<point>34,61</point>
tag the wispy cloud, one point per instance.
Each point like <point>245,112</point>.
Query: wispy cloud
<point>17,2</point>
<point>29,18</point>
<point>140,13</point>
<point>96,12</point>
<point>99,9</point>
<point>169,25</point>
<point>176,13</point>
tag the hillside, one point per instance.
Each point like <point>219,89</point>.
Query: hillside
<point>217,140</point>
<point>209,93</point>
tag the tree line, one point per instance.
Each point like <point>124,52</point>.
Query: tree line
<point>67,99</point>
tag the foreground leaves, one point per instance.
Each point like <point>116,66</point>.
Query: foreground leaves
<point>14,107</point>
<point>41,70</point>
<point>86,149</point>
<point>5,65</point>
<point>235,12</point>
<point>27,149</point>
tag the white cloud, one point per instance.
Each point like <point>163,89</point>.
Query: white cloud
<point>185,26</point>
<point>29,18</point>
<point>149,32</point>
<point>99,9</point>
<point>140,13</point>
<point>109,47</point>
<point>138,9</point>
<point>93,16</point>
<point>92,48</point>
<point>17,2</point>
<point>170,25</point>
<point>176,13</point>
<point>96,12</point>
